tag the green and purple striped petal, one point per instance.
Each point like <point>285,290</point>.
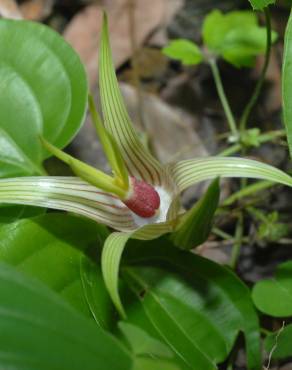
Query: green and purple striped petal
<point>112,254</point>
<point>139,161</point>
<point>192,171</point>
<point>69,194</point>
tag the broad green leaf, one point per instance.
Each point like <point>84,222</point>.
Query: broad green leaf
<point>141,343</point>
<point>184,50</point>
<point>261,4</point>
<point>43,92</point>
<point>286,82</point>
<point>196,224</point>
<point>280,343</point>
<point>40,331</point>
<point>142,363</point>
<point>235,36</point>
<point>196,306</point>
<point>15,213</point>
<point>96,295</point>
<point>50,247</point>
<point>274,296</point>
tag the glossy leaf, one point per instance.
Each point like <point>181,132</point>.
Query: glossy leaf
<point>43,92</point>
<point>195,225</point>
<point>142,363</point>
<point>274,296</point>
<point>286,82</point>
<point>141,343</point>
<point>96,295</point>
<point>184,50</point>
<point>49,247</point>
<point>196,306</point>
<point>235,36</point>
<point>280,343</point>
<point>40,331</point>
<point>261,4</point>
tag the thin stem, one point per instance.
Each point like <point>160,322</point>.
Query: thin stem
<point>248,190</point>
<point>237,242</point>
<point>222,234</point>
<point>235,148</point>
<point>265,331</point>
<point>259,85</point>
<point>223,98</point>
<point>258,215</point>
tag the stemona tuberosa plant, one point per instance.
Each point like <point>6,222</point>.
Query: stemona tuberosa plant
<point>141,199</point>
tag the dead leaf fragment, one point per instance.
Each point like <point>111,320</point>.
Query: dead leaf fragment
<point>84,30</point>
<point>36,10</point>
<point>10,9</point>
<point>170,130</point>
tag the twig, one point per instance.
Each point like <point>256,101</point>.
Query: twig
<point>274,347</point>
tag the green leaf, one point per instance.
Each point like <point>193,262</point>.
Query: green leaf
<point>96,295</point>
<point>40,331</point>
<point>235,36</point>
<point>148,363</point>
<point>43,92</point>
<point>274,296</point>
<point>141,343</point>
<point>286,82</point>
<point>261,4</point>
<point>184,50</point>
<point>15,213</point>
<point>196,224</point>
<point>279,343</point>
<point>50,247</point>
<point>196,306</point>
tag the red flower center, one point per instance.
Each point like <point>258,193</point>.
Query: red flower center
<point>143,199</point>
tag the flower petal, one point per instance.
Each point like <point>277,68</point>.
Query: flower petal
<point>68,194</point>
<point>192,171</point>
<point>139,161</point>
<point>112,253</point>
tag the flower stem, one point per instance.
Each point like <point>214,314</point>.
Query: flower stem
<point>235,148</point>
<point>259,85</point>
<point>248,190</point>
<point>223,99</point>
<point>237,242</point>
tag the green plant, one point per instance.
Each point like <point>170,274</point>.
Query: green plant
<point>64,285</point>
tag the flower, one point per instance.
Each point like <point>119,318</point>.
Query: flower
<point>142,198</point>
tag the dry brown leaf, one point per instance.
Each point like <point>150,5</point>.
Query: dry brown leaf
<point>84,30</point>
<point>36,10</point>
<point>170,130</point>
<point>10,9</point>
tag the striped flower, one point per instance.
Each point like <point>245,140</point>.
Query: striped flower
<point>142,198</point>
